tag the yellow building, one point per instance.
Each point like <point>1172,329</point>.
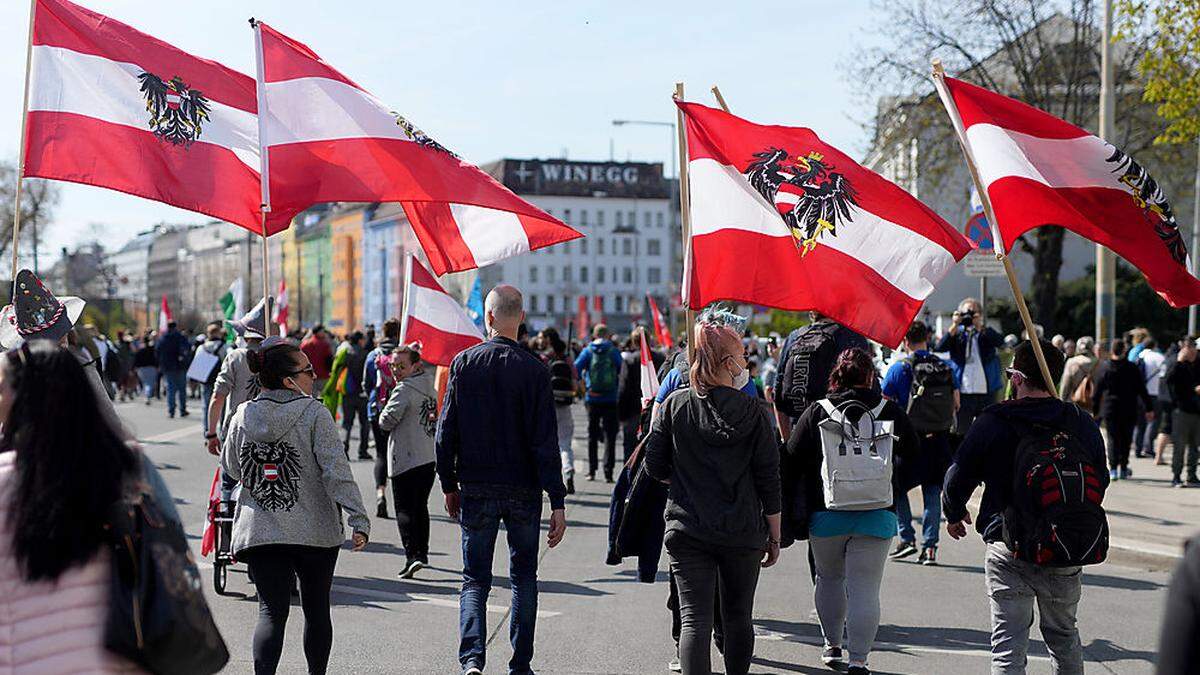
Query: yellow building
<point>346,247</point>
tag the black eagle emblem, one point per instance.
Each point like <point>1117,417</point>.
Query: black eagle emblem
<point>271,471</point>
<point>807,192</point>
<point>177,112</point>
<point>1153,203</point>
<point>419,137</point>
<point>429,416</point>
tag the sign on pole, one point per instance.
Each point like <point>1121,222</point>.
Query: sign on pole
<point>981,262</point>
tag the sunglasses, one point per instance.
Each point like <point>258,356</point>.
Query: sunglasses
<point>306,371</point>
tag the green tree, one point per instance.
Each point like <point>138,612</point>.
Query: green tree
<point>1170,29</point>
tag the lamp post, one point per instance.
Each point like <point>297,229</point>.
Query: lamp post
<point>652,123</point>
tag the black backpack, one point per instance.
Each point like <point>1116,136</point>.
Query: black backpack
<point>1055,518</point>
<point>805,374</point>
<point>931,396</point>
<point>562,382</point>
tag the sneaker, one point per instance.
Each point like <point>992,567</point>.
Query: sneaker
<point>857,670</point>
<point>903,550</point>
<point>410,570</point>
<point>675,666</point>
<point>1126,472</point>
<point>1113,474</point>
<point>832,656</point>
<point>928,556</point>
<point>608,479</point>
<point>184,413</point>
<point>147,401</point>
<point>473,670</point>
<point>381,507</point>
<point>591,477</point>
<point>571,485</point>
<point>1176,483</point>
<point>1192,482</point>
<point>365,457</point>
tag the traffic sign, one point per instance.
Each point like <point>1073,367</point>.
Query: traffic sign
<point>982,261</point>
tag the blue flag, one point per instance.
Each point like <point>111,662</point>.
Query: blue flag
<point>475,304</point>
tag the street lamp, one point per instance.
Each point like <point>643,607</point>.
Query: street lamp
<point>651,123</point>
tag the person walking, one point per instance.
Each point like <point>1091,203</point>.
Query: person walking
<point>849,538</point>
<point>497,452</point>
<point>283,447</point>
<point>58,484</point>
<point>996,452</point>
<point>600,366</point>
<point>972,347</point>
<point>145,364</point>
<point>174,351</point>
<point>1153,365</point>
<point>629,395</point>
<point>353,398</point>
<point>215,345</point>
<point>320,354</point>
<point>564,382</point>
<point>1077,369</point>
<point>716,447</point>
<point>1183,379</point>
<point>927,389</point>
<point>378,382</point>
<point>410,418</point>
<point>805,361</point>
<point>1120,388</point>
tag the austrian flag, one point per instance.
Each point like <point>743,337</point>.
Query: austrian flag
<point>434,318</point>
<point>780,218</point>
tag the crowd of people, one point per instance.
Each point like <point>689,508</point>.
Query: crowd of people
<point>749,446</point>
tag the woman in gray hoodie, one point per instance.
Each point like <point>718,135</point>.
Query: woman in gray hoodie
<point>285,450</point>
<point>410,418</point>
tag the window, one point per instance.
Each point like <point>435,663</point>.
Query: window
<point>653,247</point>
<point>600,275</point>
<point>583,275</point>
<point>646,219</point>
<point>533,304</point>
<point>619,221</point>
<point>627,275</point>
<point>632,219</point>
<point>566,273</point>
<point>566,306</point>
<point>658,219</point>
<point>620,303</point>
<point>600,246</point>
<point>582,218</point>
<point>600,219</point>
<point>653,276</point>
<point>627,247</point>
<point>550,275</point>
<point>549,304</point>
<point>567,216</point>
<point>533,275</point>
<point>583,246</point>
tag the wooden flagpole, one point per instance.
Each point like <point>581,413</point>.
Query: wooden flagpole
<point>263,174</point>
<point>20,177</point>
<point>408,270</point>
<point>685,213</point>
<point>939,82</point>
<point>720,99</point>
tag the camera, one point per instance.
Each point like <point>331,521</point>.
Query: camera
<point>967,319</point>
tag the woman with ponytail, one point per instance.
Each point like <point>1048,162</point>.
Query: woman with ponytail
<point>718,450</point>
<point>285,450</point>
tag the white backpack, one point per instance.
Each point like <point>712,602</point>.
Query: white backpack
<point>857,471</point>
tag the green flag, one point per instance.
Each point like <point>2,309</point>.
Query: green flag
<point>231,305</point>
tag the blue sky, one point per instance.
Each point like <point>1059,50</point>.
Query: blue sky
<point>496,79</point>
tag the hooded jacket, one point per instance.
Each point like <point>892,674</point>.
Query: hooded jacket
<point>285,450</point>
<point>721,455</point>
<point>410,418</point>
<point>600,349</point>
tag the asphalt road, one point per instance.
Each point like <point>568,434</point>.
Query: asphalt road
<point>599,619</point>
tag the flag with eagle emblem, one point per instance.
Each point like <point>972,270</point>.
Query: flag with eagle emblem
<point>1040,170</point>
<point>113,107</point>
<point>782,219</point>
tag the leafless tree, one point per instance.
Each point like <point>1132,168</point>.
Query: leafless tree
<point>38,200</point>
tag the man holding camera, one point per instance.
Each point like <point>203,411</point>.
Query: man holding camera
<point>972,347</point>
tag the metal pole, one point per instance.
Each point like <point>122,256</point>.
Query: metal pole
<point>1106,262</point>
<point>1195,236</point>
<point>983,297</point>
<point>21,151</point>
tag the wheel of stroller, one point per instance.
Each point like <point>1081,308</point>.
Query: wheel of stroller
<point>220,576</point>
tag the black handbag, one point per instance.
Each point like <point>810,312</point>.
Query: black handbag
<point>157,615</point>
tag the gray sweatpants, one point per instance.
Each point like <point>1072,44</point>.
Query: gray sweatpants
<point>1013,587</point>
<point>849,573</point>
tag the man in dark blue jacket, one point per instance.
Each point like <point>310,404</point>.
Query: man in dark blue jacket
<point>972,347</point>
<point>174,353</point>
<point>988,455</point>
<point>497,451</point>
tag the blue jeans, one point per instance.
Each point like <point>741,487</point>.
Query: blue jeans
<point>931,517</point>
<point>176,389</point>
<point>480,519</point>
<point>148,375</point>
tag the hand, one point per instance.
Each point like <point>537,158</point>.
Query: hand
<point>360,541</point>
<point>558,527</point>
<point>771,554</point>
<point>452,505</point>
<point>214,446</point>
<point>959,530</point>
<point>954,322</point>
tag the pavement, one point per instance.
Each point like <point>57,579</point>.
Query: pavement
<point>598,619</point>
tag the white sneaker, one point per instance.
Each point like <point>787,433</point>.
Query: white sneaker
<point>675,666</point>
<point>473,670</point>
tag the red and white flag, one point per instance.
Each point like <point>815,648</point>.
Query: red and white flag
<point>581,319</point>
<point>649,374</point>
<point>281,308</point>
<point>164,315</point>
<point>661,331</point>
<point>781,219</point>
<point>113,107</point>
<point>434,318</point>
<point>1041,170</point>
<point>327,140</point>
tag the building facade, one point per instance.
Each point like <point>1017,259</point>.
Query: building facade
<point>314,292</point>
<point>346,249</point>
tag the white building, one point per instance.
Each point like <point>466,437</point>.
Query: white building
<point>626,213</point>
<point>130,265</point>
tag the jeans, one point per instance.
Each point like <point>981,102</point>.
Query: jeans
<point>700,569</point>
<point>1146,430</point>
<point>480,519</point>
<point>566,432</point>
<point>355,406</point>
<point>1185,438</point>
<point>1013,587</point>
<point>410,491</point>
<point>1120,437</point>
<point>148,376</point>
<point>273,567</point>
<point>208,392</point>
<point>849,574</point>
<point>176,389</point>
<point>931,516</point>
<point>602,419</point>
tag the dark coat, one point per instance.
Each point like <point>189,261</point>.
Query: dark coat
<point>1119,386</point>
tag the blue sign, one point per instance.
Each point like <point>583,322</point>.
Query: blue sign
<point>978,231</point>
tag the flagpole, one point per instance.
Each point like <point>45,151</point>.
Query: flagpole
<point>939,82</point>
<point>408,268</point>
<point>685,214</point>
<point>720,99</point>
<point>21,151</point>
<point>264,171</point>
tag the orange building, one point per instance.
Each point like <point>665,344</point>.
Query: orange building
<point>346,244</point>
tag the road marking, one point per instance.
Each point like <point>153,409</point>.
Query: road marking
<point>419,597</point>
<point>190,430</point>
<point>766,634</point>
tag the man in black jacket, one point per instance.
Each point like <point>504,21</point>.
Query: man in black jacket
<point>497,451</point>
<point>1183,380</point>
<point>987,455</point>
<point>1119,386</point>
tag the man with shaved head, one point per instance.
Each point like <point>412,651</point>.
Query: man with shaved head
<point>497,452</point>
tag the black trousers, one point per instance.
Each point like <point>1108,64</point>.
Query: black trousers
<point>677,621</point>
<point>381,439</point>
<point>700,569</point>
<point>602,420</point>
<point>629,435</point>
<point>410,491</point>
<point>1120,436</point>
<point>273,567</point>
<point>352,407</point>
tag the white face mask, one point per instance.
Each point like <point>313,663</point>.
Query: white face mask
<point>741,379</point>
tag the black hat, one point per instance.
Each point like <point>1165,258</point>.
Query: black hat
<point>38,314</point>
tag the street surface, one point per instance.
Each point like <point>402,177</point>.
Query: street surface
<point>598,619</point>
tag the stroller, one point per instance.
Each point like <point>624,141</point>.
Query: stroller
<point>218,533</point>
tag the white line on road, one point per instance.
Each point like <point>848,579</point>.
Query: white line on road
<point>766,634</point>
<point>167,437</point>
